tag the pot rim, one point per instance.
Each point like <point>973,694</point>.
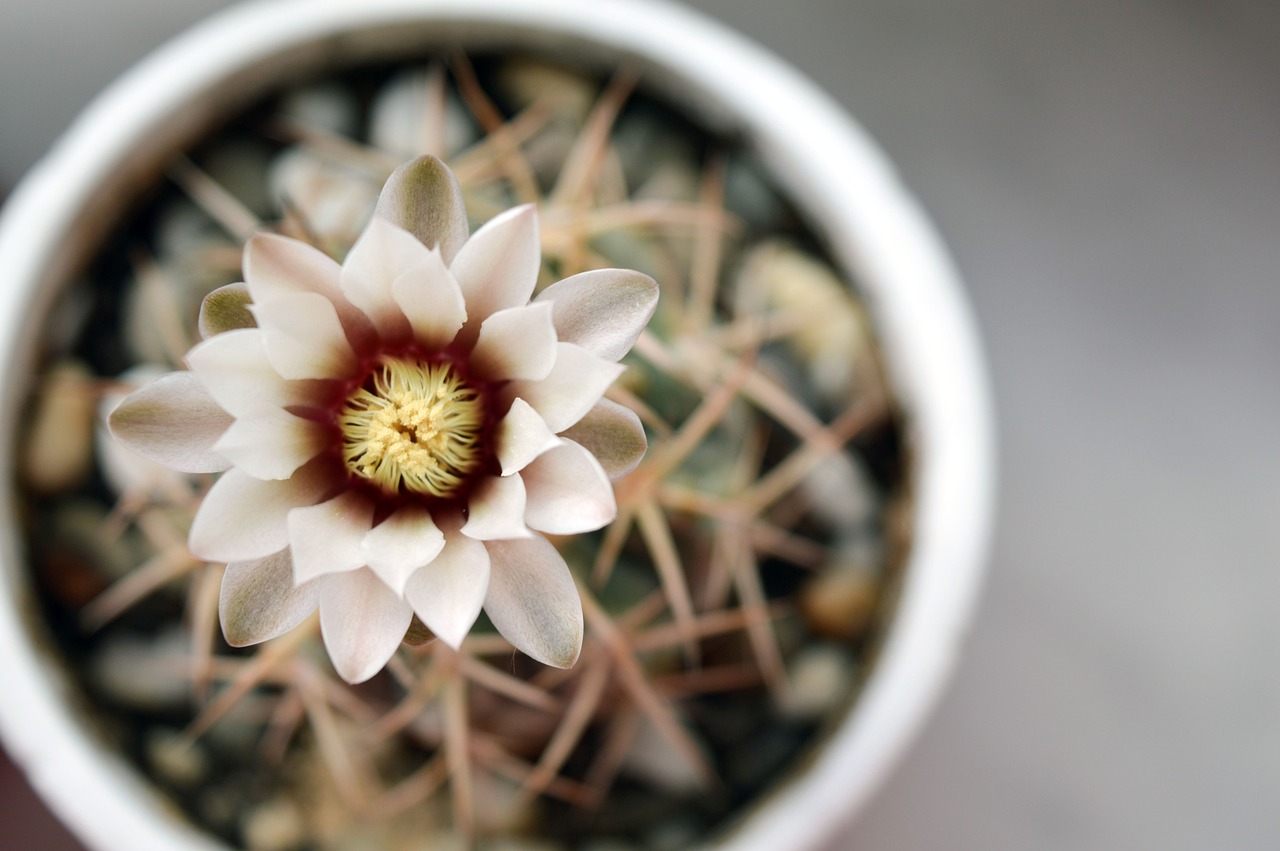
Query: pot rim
<point>872,225</point>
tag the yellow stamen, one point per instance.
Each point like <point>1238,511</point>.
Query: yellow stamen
<point>416,429</point>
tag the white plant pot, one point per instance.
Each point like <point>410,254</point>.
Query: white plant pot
<point>817,155</point>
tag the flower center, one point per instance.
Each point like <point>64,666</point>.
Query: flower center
<point>412,426</point>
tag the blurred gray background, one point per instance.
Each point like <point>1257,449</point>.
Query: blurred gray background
<point>1107,173</point>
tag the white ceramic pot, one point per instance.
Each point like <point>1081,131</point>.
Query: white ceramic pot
<point>815,152</point>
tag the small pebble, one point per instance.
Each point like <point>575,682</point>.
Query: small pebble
<point>839,602</point>
<point>174,758</point>
<point>57,454</point>
<point>524,80</point>
<point>841,493</point>
<point>832,339</point>
<point>331,107</point>
<point>820,678</point>
<point>400,124</point>
<point>274,825</point>
<point>138,671</point>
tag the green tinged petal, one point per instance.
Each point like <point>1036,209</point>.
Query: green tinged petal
<point>259,601</point>
<point>423,197</point>
<point>613,434</point>
<point>173,421</point>
<point>225,309</point>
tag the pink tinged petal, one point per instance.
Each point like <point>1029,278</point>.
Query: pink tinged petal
<point>522,436</point>
<point>259,601</point>
<point>303,337</point>
<point>516,343</point>
<point>447,594</point>
<point>423,198</point>
<point>270,443</point>
<point>603,310</point>
<point>613,434</point>
<point>380,256</point>
<point>429,298</point>
<point>173,421</point>
<point>326,538</point>
<point>575,384</point>
<point>568,492</point>
<point>276,265</point>
<point>225,309</point>
<point>498,266</point>
<point>401,544</point>
<point>362,622</point>
<point>496,510</point>
<point>533,601</point>
<point>243,518</point>
<point>234,368</point>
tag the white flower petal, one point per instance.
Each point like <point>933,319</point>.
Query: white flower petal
<point>362,622</point>
<point>233,367</point>
<point>575,384</point>
<point>270,443</point>
<point>326,538</point>
<point>225,309</point>
<point>429,298</point>
<point>423,198</point>
<point>303,336</point>
<point>498,266</point>
<point>603,310</point>
<point>496,510</point>
<point>401,544</point>
<point>533,601</point>
<point>380,256</point>
<point>568,492</point>
<point>447,594</point>
<point>613,434</point>
<point>259,601</point>
<point>519,342</point>
<point>522,436</point>
<point>243,518</point>
<point>276,265</point>
<point>173,421</point>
